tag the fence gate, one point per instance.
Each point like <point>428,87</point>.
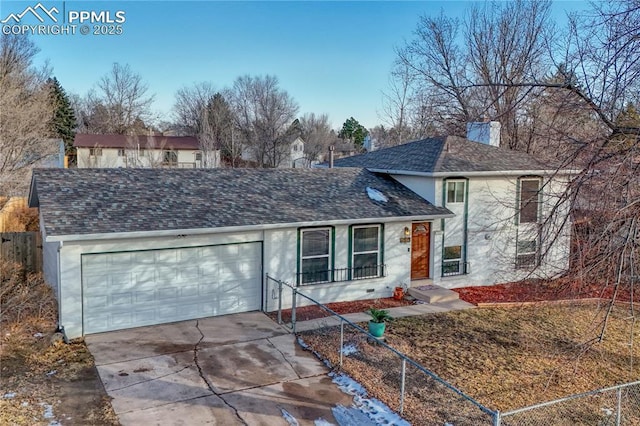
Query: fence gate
<point>24,248</point>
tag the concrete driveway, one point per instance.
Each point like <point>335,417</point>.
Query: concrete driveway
<point>229,370</point>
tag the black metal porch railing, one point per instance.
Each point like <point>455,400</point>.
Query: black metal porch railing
<point>342,274</point>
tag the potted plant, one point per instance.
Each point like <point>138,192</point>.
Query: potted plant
<point>378,321</point>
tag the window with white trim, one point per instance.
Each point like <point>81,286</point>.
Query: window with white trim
<point>526,253</point>
<point>95,152</point>
<point>529,202</point>
<point>452,261</point>
<point>455,191</point>
<point>366,251</point>
<point>198,156</point>
<point>315,255</point>
<point>121,153</point>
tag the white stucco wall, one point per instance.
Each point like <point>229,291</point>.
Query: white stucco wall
<point>492,230</point>
<point>280,254</point>
<point>50,265</point>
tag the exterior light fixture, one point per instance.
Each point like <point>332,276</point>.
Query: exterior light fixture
<point>407,231</point>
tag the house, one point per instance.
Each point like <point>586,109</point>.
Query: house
<point>511,220</point>
<point>290,156</point>
<point>113,151</point>
<point>132,247</point>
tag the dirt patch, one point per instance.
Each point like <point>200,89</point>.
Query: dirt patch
<point>539,290</point>
<point>306,313</point>
<point>43,379</point>
<point>506,358</point>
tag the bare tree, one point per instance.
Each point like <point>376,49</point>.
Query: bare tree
<point>474,69</point>
<point>190,102</point>
<point>120,102</point>
<point>264,113</point>
<point>25,113</point>
<point>397,106</point>
<point>216,132</point>
<point>317,135</point>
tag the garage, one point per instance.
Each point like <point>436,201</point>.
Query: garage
<point>137,288</point>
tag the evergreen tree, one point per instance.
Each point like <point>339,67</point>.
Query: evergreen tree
<point>354,131</point>
<point>63,122</point>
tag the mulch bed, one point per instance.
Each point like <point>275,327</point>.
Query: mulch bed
<point>306,313</point>
<point>538,290</point>
<point>521,291</point>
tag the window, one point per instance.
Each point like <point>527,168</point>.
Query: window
<point>452,262</point>
<point>95,152</point>
<point>455,191</point>
<point>315,255</point>
<point>366,251</point>
<point>121,153</point>
<point>529,202</point>
<point>170,157</point>
<point>143,152</point>
<point>198,156</point>
<point>526,254</point>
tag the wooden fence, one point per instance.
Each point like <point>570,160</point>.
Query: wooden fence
<point>22,247</point>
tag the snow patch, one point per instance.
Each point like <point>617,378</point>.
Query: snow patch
<point>317,355</point>
<point>322,422</point>
<point>375,409</point>
<point>9,395</point>
<point>376,195</point>
<point>38,335</point>
<point>52,372</point>
<point>349,349</point>
<point>289,418</point>
<point>48,410</point>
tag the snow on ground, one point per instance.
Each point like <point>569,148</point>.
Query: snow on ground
<point>322,422</point>
<point>289,418</point>
<point>375,409</point>
<point>9,395</point>
<point>349,349</point>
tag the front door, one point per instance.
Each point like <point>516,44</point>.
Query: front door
<point>420,242</point>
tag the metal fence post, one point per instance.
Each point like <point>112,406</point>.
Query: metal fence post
<point>404,370</point>
<point>293,311</point>
<point>497,419</point>
<point>619,408</point>
<point>279,300</point>
<point>341,340</point>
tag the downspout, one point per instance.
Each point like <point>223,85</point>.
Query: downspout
<point>60,327</point>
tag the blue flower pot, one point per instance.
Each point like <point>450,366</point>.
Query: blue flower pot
<point>376,328</point>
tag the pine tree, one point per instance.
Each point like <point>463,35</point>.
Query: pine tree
<point>63,122</point>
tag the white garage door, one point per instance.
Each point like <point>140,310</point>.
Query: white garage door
<point>132,289</point>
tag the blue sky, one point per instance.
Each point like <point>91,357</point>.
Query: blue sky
<point>332,57</point>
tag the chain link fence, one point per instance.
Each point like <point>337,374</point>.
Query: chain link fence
<point>424,398</point>
<point>614,406</point>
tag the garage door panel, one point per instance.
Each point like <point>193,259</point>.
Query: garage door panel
<point>123,290</point>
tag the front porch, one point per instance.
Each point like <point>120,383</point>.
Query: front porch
<point>427,292</point>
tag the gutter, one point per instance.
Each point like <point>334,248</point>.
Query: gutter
<point>498,173</point>
<point>235,229</point>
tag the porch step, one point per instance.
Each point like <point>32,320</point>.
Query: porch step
<point>433,294</point>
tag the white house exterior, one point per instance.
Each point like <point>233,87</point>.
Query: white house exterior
<point>510,222</point>
<point>125,151</point>
<point>126,248</point>
<point>291,157</point>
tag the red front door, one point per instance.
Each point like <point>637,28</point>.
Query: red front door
<point>420,242</point>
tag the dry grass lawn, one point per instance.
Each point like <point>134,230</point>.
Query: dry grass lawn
<point>505,358</point>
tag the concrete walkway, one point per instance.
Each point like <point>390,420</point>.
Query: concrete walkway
<point>399,312</point>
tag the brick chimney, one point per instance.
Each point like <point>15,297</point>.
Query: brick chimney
<point>487,132</point>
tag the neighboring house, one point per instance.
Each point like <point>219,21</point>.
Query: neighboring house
<point>132,247</point>
<point>510,219</point>
<point>115,151</point>
<point>291,156</point>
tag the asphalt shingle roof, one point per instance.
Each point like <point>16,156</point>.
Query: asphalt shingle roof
<point>93,201</point>
<point>450,154</point>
